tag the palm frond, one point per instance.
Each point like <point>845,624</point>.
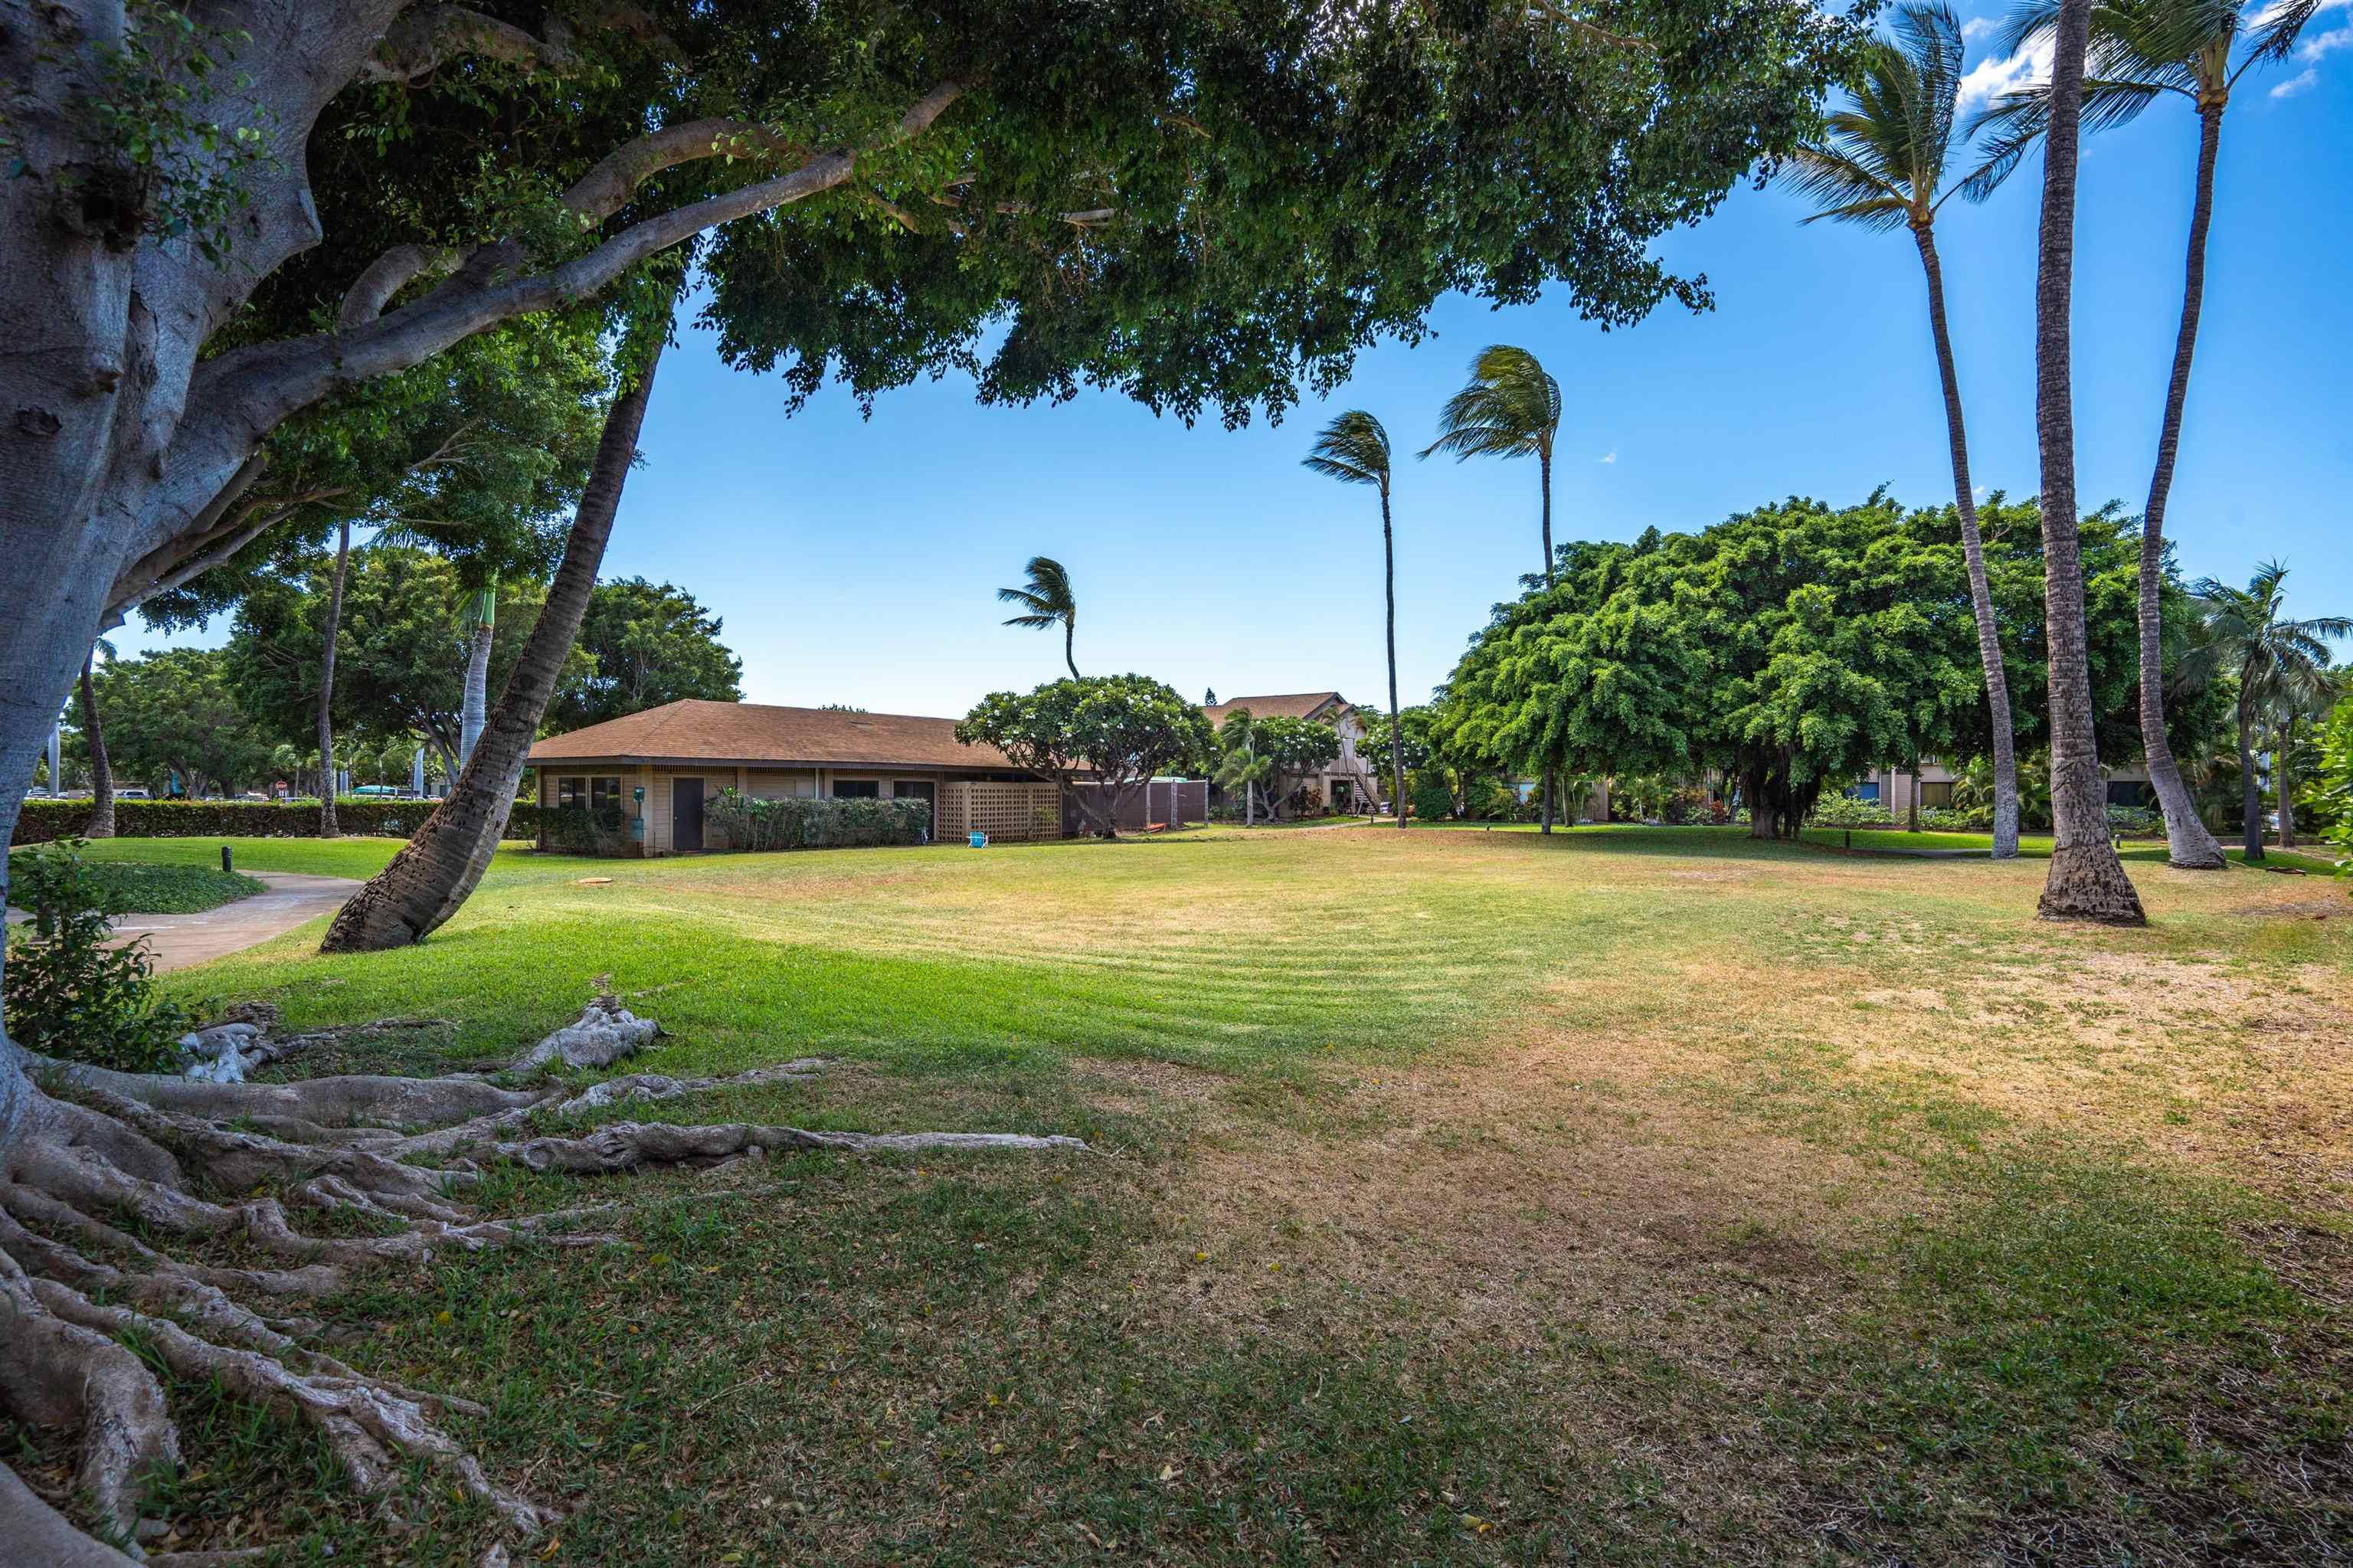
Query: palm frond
<point>1353,448</point>
<point>1844,190</point>
<point>1046,596</point>
<point>2280,26</point>
<point>1510,409</point>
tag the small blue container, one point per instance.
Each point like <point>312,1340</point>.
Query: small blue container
<point>979,839</point>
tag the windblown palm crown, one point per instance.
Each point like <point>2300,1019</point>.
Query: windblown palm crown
<point>1353,448</point>
<point>1047,600</point>
<point>1881,162</point>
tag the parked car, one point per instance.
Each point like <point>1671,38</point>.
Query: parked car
<point>377,792</point>
<point>132,792</point>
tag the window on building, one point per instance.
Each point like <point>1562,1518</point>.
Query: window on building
<point>571,793</point>
<point>856,790</point>
<point>1867,790</point>
<point>1936,797</point>
<point>603,792</point>
<point>2132,792</point>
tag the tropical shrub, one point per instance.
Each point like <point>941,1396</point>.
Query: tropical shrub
<point>2135,821</point>
<point>1490,801</point>
<point>1433,800</point>
<point>68,992</point>
<point>804,821</point>
<point>1846,811</point>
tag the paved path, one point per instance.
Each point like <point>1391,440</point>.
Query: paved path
<point>179,941</point>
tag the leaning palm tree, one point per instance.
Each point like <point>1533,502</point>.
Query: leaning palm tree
<point>2141,52</point>
<point>1509,408</point>
<point>1355,450</point>
<point>2087,881</point>
<point>2241,632</point>
<point>1047,600</point>
<point>1881,164</point>
<point>328,827</point>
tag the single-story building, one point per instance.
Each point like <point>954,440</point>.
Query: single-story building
<point>661,767</point>
<point>1892,786</point>
<point>1349,784</point>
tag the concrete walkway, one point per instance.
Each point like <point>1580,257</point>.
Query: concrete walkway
<point>178,941</point>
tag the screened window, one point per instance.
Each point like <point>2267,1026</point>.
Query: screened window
<point>1936,797</point>
<point>856,790</point>
<point>605,792</point>
<point>576,791</point>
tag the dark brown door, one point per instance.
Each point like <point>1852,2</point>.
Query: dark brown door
<point>686,813</point>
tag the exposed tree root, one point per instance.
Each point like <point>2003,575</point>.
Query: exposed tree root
<point>119,1168</point>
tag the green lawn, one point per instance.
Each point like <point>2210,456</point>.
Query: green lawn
<point>1643,1196</point>
<point>175,887</point>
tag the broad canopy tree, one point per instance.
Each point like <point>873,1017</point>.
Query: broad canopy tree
<point>1793,648</point>
<point>1101,738</point>
<point>641,645</point>
<point>1207,208</point>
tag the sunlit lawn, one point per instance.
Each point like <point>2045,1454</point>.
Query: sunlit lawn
<point>1633,1195</point>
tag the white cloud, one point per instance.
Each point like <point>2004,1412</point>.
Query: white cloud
<point>1989,78</point>
<point>2296,84</point>
<point>2313,50</point>
<point>1977,27</point>
<point>1609,456</point>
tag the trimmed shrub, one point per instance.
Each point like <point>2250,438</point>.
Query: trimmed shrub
<point>2135,821</point>
<point>68,992</point>
<point>1846,811</point>
<point>805,821</point>
<point>45,822</point>
<point>1431,800</point>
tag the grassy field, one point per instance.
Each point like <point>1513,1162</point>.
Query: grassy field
<point>1630,1196</point>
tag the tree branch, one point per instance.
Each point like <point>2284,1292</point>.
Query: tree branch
<point>431,35</point>
<point>1551,11</point>
<point>246,393</point>
<point>387,276</point>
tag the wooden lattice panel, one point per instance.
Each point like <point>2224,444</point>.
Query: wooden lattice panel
<point>1007,813</point>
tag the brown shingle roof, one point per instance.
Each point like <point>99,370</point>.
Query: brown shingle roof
<point>1294,704</point>
<point>755,733</point>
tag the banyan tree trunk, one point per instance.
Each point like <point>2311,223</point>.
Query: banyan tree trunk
<point>431,877</point>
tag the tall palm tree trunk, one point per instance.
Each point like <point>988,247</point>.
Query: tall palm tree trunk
<point>473,709</point>
<point>2251,787</point>
<point>2005,753</point>
<point>2188,843</point>
<point>1544,476</point>
<point>101,777</point>
<point>2087,882</point>
<point>1071,647</point>
<point>2281,764</point>
<point>328,827</point>
<point>1388,585</point>
<point>432,875</point>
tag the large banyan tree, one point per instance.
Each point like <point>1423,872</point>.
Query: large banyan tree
<point>224,212</point>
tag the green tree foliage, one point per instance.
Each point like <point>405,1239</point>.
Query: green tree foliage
<point>175,713</point>
<point>650,644</point>
<point>1115,731</point>
<point>478,453</point>
<point>402,665</point>
<point>1295,748</point>
<point>1793,648</point>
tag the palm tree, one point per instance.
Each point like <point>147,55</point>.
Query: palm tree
<point>1509,408</point>
<point>2242,632</point>
<point>2087,882</point>
<point>2307,701</point>
<point>431,877</point>
<point>101,776</point>
<point>328,827</point>
<point>1047,601</point>
<point>477,622</point>
<point>2140,52</point>
<point>1881,164</point>
<point>1355,450</point>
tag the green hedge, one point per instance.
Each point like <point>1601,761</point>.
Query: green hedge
<point>42,821</point>
<point>812,822</point>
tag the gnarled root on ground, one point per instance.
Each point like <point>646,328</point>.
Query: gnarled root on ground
<point>199,1164</point>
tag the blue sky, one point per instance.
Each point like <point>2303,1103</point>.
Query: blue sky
<point>854,560</point>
